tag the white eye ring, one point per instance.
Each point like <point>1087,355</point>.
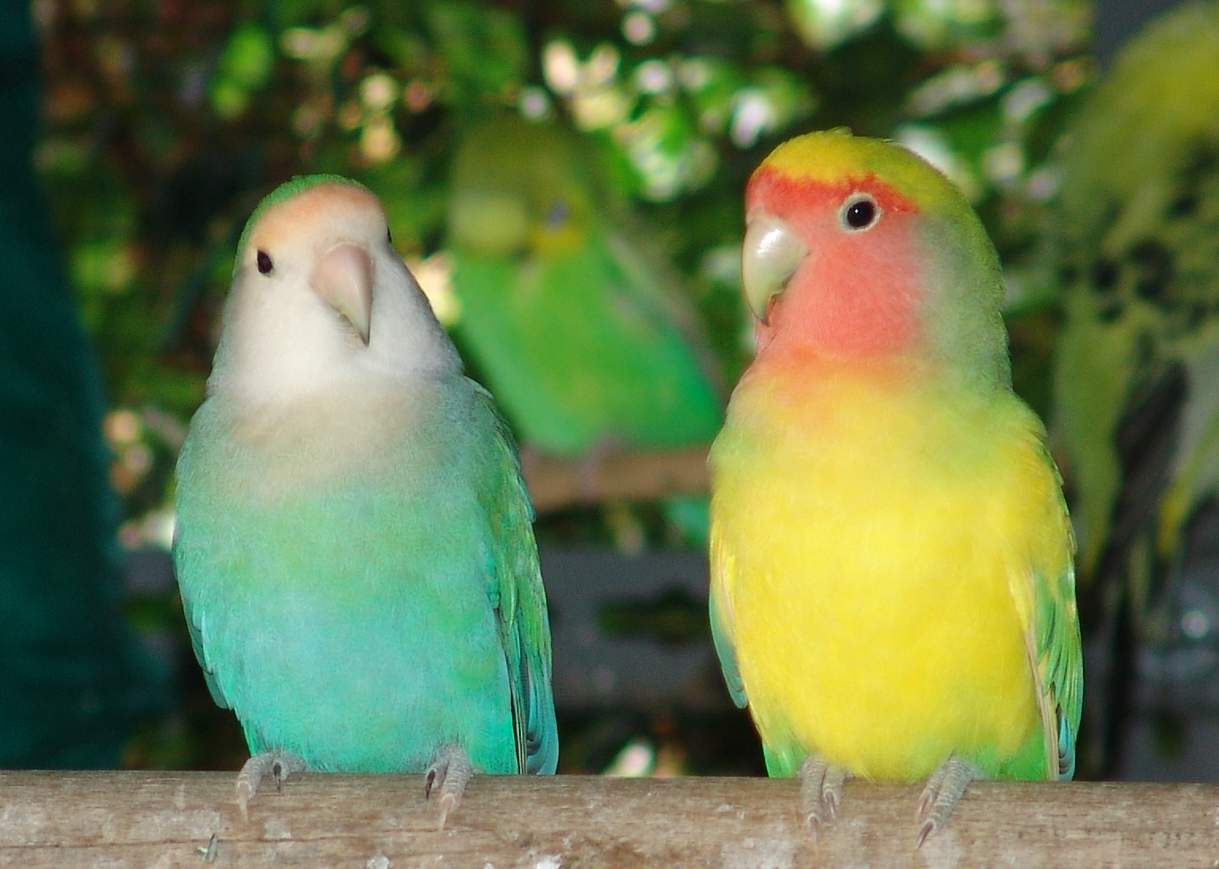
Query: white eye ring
<point>859,213</point>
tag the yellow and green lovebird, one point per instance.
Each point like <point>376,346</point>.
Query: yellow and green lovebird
<point>892,589</point>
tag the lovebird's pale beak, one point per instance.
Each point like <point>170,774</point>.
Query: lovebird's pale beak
<point>771,255</point>
<point>343,278</point>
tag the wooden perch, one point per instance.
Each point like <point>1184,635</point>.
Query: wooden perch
<point>169,819</point>
<point>555,483</point>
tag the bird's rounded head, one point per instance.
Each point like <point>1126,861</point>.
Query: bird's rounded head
<point>858,249</point>
<point>319,293</point>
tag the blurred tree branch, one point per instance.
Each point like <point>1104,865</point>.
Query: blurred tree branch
<point>556,483</point>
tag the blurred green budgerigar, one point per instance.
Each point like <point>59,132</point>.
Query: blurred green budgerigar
<point>1138,241</point>
<point>580,333</point>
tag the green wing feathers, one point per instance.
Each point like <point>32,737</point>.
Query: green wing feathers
<point>1059,668</point>
<point>520,605</point>
<point>1052,634</point>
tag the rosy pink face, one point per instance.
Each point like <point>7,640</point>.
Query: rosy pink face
<point>855,292</point>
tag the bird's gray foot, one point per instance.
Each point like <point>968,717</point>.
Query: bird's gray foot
<point>941,795</point>
<point>820,792</point>
<point>447,775</point>
<point>279,764</point>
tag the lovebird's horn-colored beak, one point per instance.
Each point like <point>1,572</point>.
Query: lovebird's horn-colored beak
<point>343,278</point>
<point>771,255</point>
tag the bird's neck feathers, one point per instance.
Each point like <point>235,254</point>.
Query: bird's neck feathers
<point>276,351</point>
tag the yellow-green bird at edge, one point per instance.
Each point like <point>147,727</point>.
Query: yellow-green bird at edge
<point>892,590</point>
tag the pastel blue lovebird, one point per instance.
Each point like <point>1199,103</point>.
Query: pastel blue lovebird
<point>354,543</point>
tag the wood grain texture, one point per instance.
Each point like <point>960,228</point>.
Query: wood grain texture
<point>167,819</point>
<point>555,483</point>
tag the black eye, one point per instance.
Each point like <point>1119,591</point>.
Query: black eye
<point>389,236</point>
<point>860,212</point>
<point>264,263</point>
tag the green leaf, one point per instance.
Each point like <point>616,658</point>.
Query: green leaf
<point>484,48</point>
<point>826,23</point>
<point>243,68</point>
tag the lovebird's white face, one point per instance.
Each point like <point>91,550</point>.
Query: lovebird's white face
<point>320,296</point>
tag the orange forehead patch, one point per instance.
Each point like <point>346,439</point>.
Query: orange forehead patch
<point>330,201</point>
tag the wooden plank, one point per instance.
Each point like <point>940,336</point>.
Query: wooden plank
<point>167,819</point>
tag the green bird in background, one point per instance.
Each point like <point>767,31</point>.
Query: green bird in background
<point>74,680</point>
<point>354,543</point>
<point>1137,367</point>
<point>1139,249</point>
<point>581,336</point>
